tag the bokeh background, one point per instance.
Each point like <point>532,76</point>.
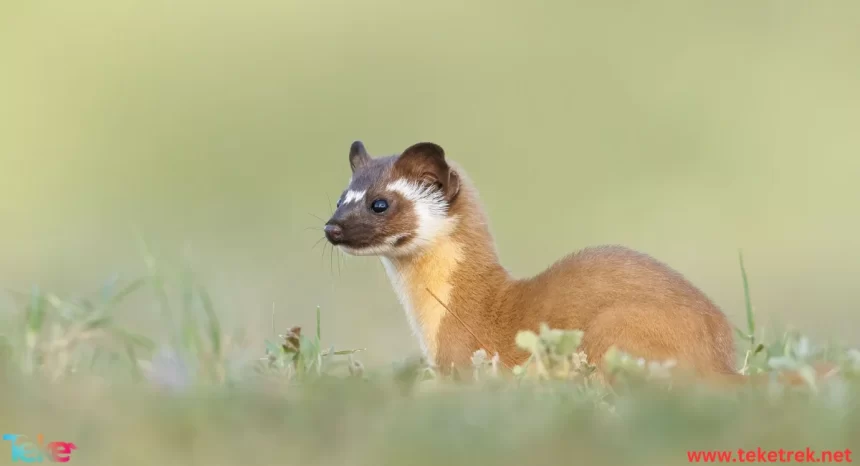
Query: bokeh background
<point>220,130</point>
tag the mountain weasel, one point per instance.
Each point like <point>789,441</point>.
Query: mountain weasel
<point>421,215</point>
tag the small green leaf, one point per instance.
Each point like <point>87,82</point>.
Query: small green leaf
<point>274,349</point>
<point>527,340</point>
<point>569,342</point>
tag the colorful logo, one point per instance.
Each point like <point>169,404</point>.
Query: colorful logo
<point>24,450</point>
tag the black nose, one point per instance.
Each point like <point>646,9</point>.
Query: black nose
<point>333,232</point>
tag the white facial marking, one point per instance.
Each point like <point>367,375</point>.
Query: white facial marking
<point>430,208</point>
<point>353,196</point>
<point>381,250</point>
<point>386,248</point>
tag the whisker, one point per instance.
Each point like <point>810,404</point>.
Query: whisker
<point>317,243</point>
<point>316,217</point>
<point>331,261</point>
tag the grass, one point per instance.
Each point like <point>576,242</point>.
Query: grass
<point>70,371</point>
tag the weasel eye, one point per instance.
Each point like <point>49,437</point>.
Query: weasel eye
<point>379,206</point>
<point>339,202</point>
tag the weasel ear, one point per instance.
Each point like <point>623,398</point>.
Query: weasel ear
<point>426,162</point>
<point>425,150</point>
<point>357,156</point>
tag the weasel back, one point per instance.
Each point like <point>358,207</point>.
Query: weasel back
<point>623,298</point>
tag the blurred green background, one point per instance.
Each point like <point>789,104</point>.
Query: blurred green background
<point>220,129</point>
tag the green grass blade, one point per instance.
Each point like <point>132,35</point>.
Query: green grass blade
<point>133,338</point>
<point>127,290</point>
<point>747,300</point>
<point>156,280</point>
<point>132,356</point>
<point>214,324</point>
<point>346,352</point>
<point>35,319</point>
<point>319,327</point>
<point>97,353</point>
<point>36,311</point>
<point>99,322</point>
<point>191,339</point>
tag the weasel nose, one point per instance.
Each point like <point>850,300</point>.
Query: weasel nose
<point>333,232</point>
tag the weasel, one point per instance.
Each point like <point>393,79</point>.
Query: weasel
<point>421,215</point>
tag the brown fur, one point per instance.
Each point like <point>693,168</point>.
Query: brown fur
<point>617,296</point>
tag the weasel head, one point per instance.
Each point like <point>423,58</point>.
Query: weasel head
<point>397,205</point>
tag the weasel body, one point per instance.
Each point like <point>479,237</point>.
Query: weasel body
<point>419,213</point>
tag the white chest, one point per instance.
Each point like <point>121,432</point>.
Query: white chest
<point>412,279</point>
